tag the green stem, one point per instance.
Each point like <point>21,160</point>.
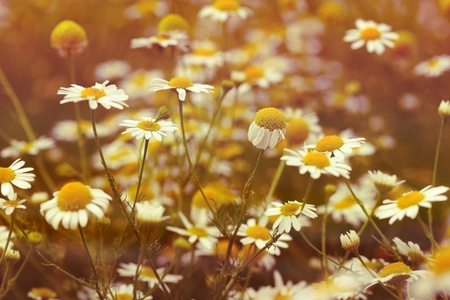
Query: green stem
<point>429,234</point>
<point>141,171</point>
<point>275,181</point>
<point>323,238</point>
<point>438,147</point>
<point>8,239</point>
<point>19,271</point>
<point>308,191</point>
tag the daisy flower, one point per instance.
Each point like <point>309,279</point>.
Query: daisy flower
<point>303,127</point>
<point>350,241</point>
<point>260,235</point>
<point>375,36</point>
<point>289,215</point>
<point>126,291</point>
<point>444,109</point>
<point>72,205</point>
<point>148,128</point>
<point>408,204</point>
<point>181,85</point>
<point>146,274</point>
<point>11,204</point>
<point>384,182</point>
<point>106,95</point>
<point>316,163</point>
<point>150,213</point>
<point>39,293</point>
<point>222,10</point>
<point>337,145</point>
<point>23,147</point>
<point>410,250</point>
<point>204,53</point>
<point>434,66</point>
<point>268,128</point>
<point>254,75</point>
<point>178,39</point>
<point>15,175</point>
<point>206,235</point>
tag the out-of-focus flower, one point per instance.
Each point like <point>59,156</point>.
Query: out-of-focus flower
<point>72,205</point>
<point>331,12</point>
<point>303,127</point>
<point>148,128</point>
<point>384,182</point>
<point>138,83</point>
<point>40,293</point>
<point>106,95</point>
<point>69,38</point>
<point>67,130</point>
<point>204,53</point>
<point>223,10</point>
<point>181,85</point>
<point>434,66</point>
<point>15,175</point>
<point>289,215</point>
<point>268,128</point>
<point>112,69</point>
<point>32,148</point>
<point>375,36</point>
<point>316,163</point>
<point>146,274</point>
<point>408,204</point>
<point>143,8</point>
<point>257,76</point>
<point>126,291</point>
<point>10,205</point>
<point>444,109</point>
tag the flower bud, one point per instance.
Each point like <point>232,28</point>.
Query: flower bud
<point>69,38</point>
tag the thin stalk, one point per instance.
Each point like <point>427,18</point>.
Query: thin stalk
<point>438,147</point>
<point>19,271</point>
<point>8,239</point>
<point>90,262</point>
<point>275,181</point>
<point>141,171</point>
<point>324,238</point>
<point>308,191</point>
<point>429,234</point>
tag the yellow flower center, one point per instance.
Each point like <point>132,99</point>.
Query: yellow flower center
<point>226,5</point>
<point>147,272</point>
<point>347,202</point>
<point>180,82</point>
<point>198,231</point>
<point>6,175</point>
<point>73,196</point>
<point>92,92</point>
<point>258,232</point>
<point>253,72</point>
<point>370,34</point>
<point>395,268</point>
<point>124,297</point>
<point>204,52</point>
<point>148,125</point>
<point>442,261</point>
<point>297,132</point>
<point>270,118</point>
<point>42,293</point>
<point>319,160</point>
<point>139,79</point>
<point>329,143</point>
<point>11,203</point>
<point>172,22</point>
<point>432,62</point>
<point>410,199</point>
<point>282,297</point>
<point>290,209</point>
<point>69,36</point>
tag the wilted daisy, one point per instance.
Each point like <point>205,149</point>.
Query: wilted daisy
<point>15,175</point>
<point>289,214</point>
<point>268,128</point>
<point>24,147</point>
<point>408,204</point>
<point>69,38</point>
<point>148,128</point>
<point>205,235</point>
<point>410,250</point>
<point>444,109</point>
<point>11,204</point>
<point>72,205</point>
<point>180,85</point>
<point>258,234</point>
<point>146,274</point>
<point>223,10</point>
<point>384,182</point>
<point>375,36</point>
<point>434,66</point>
<point>106,95</point>
<point>337,145</point>
<point>316,163</point>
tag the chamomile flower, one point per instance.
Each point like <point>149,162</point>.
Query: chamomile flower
<point>15,175</point>
<point>72,205</point>
<point>39,293</point>
<point>337,145</point>
<point>268,128</point>
<point>205,235</point>
<point>106,95</point>
<point>204,53</point>
<point>148,128</point>
<point>289,215</point>
<point>384,182</point>
<point>434,66</point>
<point>375,36</point>
<point>223,10</point>
<point>23,147</point>
<point>146,274</point>
<point>126,291</point>
<point>444,109</point>
<point>411,250</point>
<point>177,39</point>
<point>255,75</point>
<point>316,163</point>
<point>11,204</point>
<point>258,234</point>
<point>180,85</point>
<point>150,213</point>
<point>408,204</point>
<point>350,241</point>
<point>396,274</point>
<point>303,127</point>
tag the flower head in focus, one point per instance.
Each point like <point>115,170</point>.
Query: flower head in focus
<point>384,182</point>
<point>15,175</point>
<point>337,145</point>
<point>289,215</point>
<point>375,36</point>
<point>180,85</point>
<point>69,38</point>
<point>148,128</point>
<point>268,128</point>
<point>106,95</point>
